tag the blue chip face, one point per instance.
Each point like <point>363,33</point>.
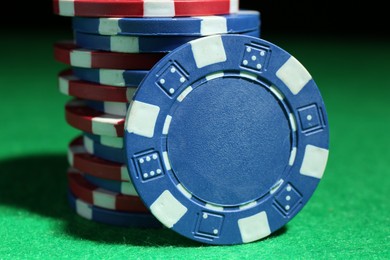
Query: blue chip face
<point>226,139</point>
<point>118,78</point>
<point>244,21</point>
<point>137,44</point>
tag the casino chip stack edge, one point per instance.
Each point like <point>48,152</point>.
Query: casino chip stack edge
<point>188,119</point>
<point>111,54</point>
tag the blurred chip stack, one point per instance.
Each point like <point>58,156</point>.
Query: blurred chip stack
<point>116,44</point>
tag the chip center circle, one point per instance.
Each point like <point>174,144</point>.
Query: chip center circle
<point>229,141</point>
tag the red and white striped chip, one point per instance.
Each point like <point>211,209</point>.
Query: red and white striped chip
<point>67,52</point>
<point>80,159</point>
<point>70,85</point>
<point>80,116</point>
<point>144,8</point>
<point>96,196</point>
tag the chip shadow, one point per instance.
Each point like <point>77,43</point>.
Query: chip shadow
<point>37,183</point>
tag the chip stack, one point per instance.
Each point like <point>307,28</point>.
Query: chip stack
<point>116,44</point>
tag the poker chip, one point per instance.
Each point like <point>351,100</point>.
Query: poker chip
<point>243,21</point>
<point>226,174</point>
<point>136,44</point>
<point>105,152</point>
<point>189,119</point>
<point>87,163</point>
<point>111,217</point>
<point>67,52</point>
<point>143,8</point>
<point>99,197</point>
<point>71,85</point>
<point>108,107</point>
<point>117,78</point>
<point>80,116</point>
<point>115,142</point>
<point>125,188</point>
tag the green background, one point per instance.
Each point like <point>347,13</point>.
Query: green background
<point>347,217</point>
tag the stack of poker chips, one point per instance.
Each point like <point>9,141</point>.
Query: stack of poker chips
<point>116,44</point>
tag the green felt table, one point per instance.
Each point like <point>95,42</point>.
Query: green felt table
<point>348,215</point>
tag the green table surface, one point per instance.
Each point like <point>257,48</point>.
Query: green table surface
<point>347,217</point>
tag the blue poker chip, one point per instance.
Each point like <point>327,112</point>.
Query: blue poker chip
<point>107,107</point>
<point>111,217</point>
<point>136,44</point>
<point>121,187</point>
<point>117,78</point>
<point>102,151</point>
<point>226,139</point>
<point>240,22</point>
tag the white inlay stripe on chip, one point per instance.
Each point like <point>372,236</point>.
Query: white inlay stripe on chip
<point>142,119</point>
<point>63,85</point>
<point>83,209</point>
<point>128,189</point>
<point>214,207</point>
<point>249,205</point>
<point>212,25</point>
<point>166,161</point>
<point>111,77</point>
<point>81,59</point>
<point>105,124</point>
<point>208,51</point>
<point>104,198</point>
<point>66,7</point>
<point>215,75</point>
<point>254,227</point>
<point>125,173</point>
<point>314,161</point>
<point>292,122</point>
<point>277,93</point>
<point>276,186</point>
<point>294,75</point>
<point>109,26</point>
<point>130,93</point>
<point>159,8</point>
<point>184,94</point>
<point>167,209</point>
<point>72,151</point>
<point>292,156</point>
<point>183,190</point>
<point>234,6</point>
<point>248,75</point>
<point>115,108</point>
<point>167,123</point>
<point>88,144</point>
<point>126,44</point>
